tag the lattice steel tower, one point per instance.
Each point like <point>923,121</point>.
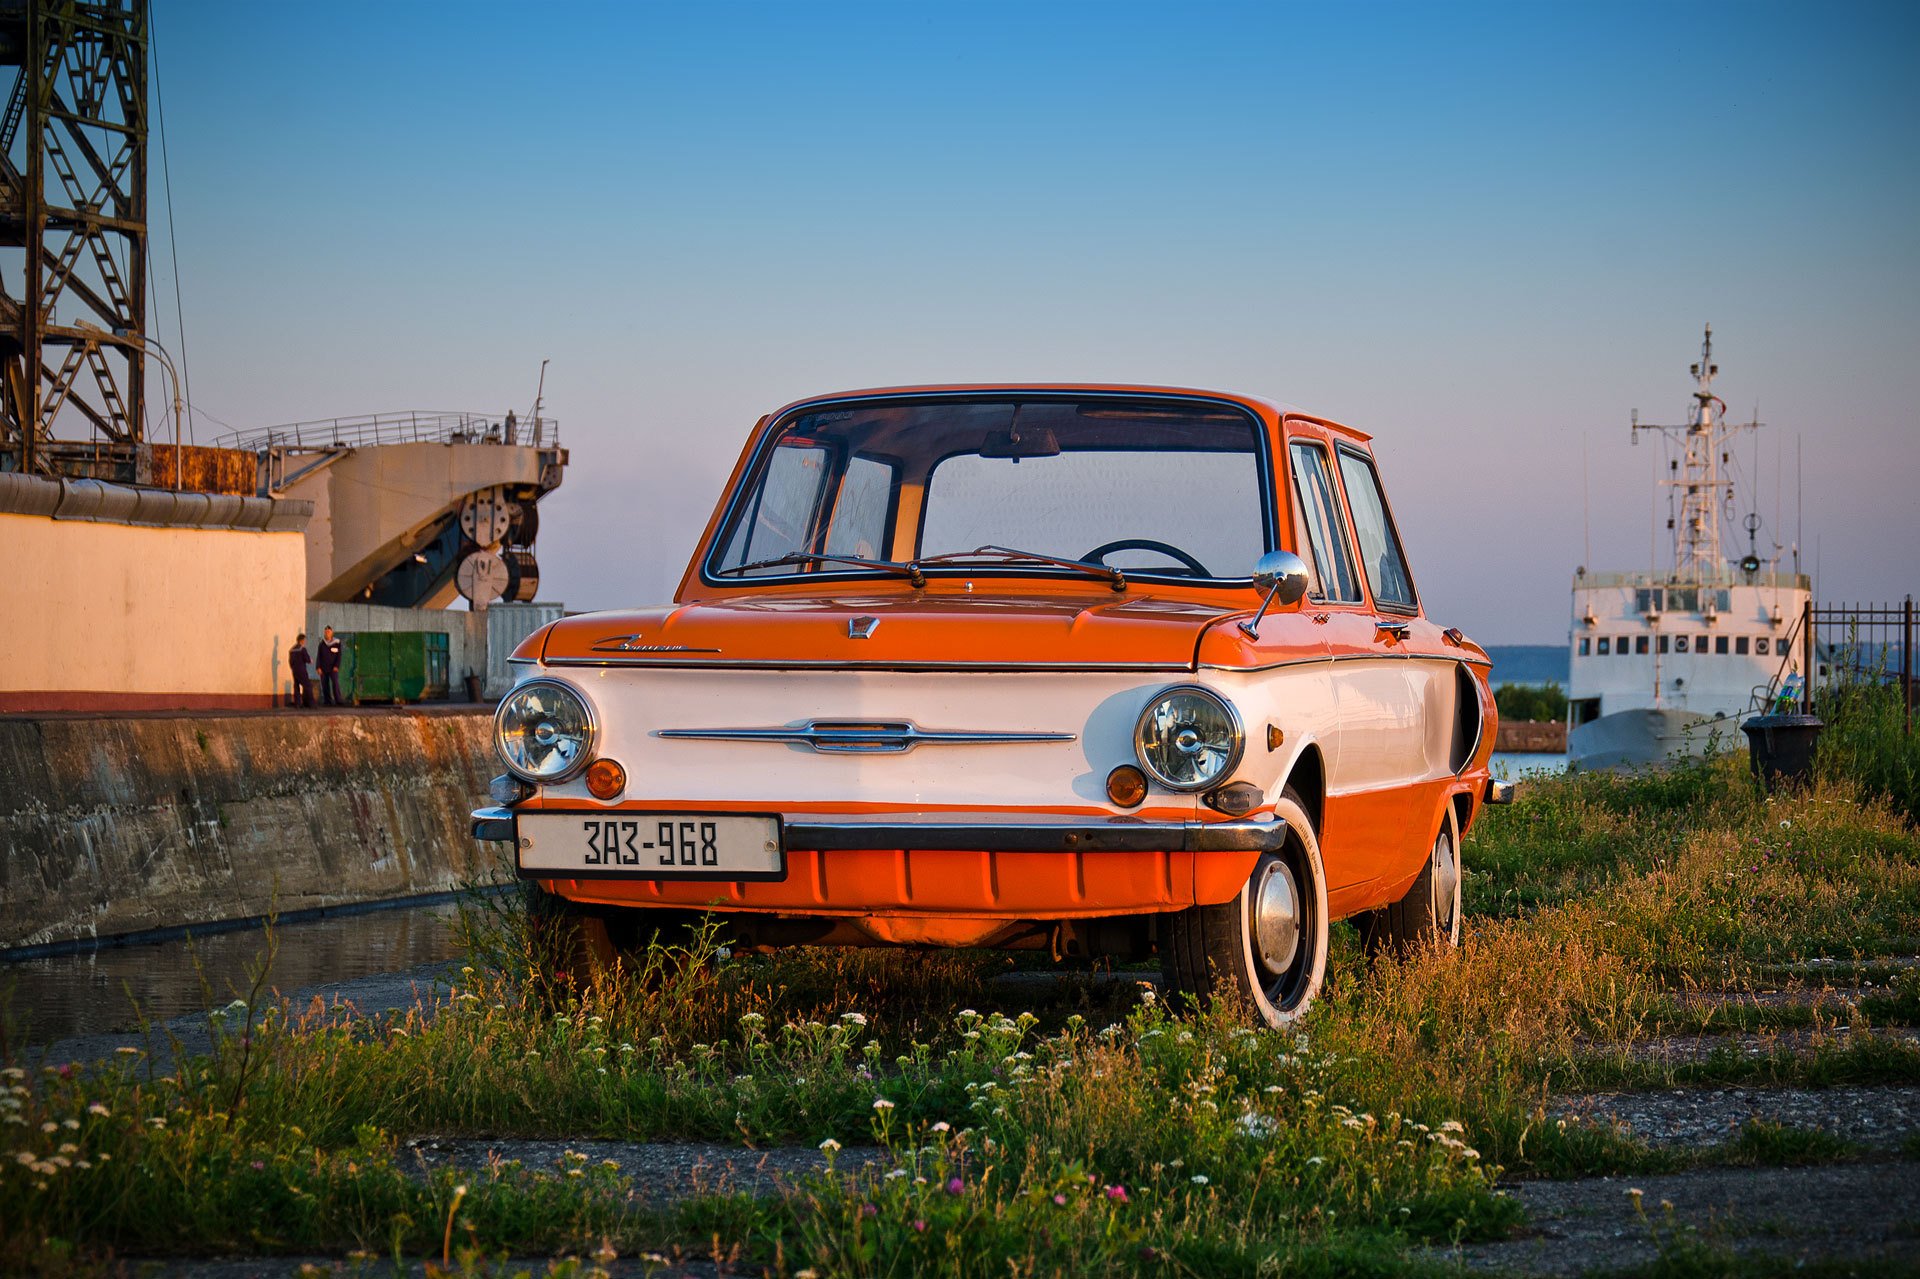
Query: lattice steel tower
<point>73,236</point>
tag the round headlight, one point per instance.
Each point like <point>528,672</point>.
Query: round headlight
<point>544,731</point>
<point>1188,738</point>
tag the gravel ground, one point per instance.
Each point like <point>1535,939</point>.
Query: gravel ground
<point>1680,1050</point>
<point>1868,1213</point>
<point>1880,1117</point>
<point>661,1171</point>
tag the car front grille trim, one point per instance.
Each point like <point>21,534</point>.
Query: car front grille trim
<point>866,737</point>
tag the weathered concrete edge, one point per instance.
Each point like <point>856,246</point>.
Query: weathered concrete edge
<point>116,826</point>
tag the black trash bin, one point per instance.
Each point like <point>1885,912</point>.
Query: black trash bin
<point>1781,747</point>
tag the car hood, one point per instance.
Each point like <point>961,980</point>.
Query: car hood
<point>946,629</point>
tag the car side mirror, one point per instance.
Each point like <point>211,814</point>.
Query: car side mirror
<point>1283,576</point>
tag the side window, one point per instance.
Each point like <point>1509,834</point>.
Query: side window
<point>780,521</point>
<point>859,524</point>
<point>1321,527</point>
<point>1379,545</point>
<point>1586,646</point>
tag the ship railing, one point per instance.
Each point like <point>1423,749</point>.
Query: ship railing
<point>410,427</point>
<point>1721,579</point>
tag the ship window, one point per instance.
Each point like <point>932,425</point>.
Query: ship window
<point>1586,646</point>
<point>1640,644</point>
<point>1760,646</point>
<point>1663,643</point>
<point>1322,526</point>
<point>1724,599</point>
<point>1683,599</point>
<point>1720,644</point>
<point>1603,646</point>
<point>1699,643</point>
<point>1620,646</point>
<point>1740,645</point>
<point>1646,600</point>
<point>1380,550</point>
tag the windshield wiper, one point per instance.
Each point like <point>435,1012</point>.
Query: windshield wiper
<point>909,571</point>
<point>1114,576</point>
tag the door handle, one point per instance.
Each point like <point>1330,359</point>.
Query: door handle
<point>1392,630</point>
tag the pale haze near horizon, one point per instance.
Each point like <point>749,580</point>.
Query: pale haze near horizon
<point>1484,234</point>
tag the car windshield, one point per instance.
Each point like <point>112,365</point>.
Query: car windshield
<point>1156,488</point>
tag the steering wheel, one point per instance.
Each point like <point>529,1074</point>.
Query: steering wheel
<point>1099,553</point>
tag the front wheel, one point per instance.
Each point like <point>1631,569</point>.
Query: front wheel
<point>1428,917</point>
<point>1266,949</point>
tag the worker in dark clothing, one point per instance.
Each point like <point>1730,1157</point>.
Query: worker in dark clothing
<point>330,668</point>
<point>297,659</point>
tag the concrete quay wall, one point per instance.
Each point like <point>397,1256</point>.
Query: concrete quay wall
<point>113,825</point>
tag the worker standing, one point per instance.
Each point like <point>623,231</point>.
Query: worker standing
<point>330,668</point>
<point>297,661</point>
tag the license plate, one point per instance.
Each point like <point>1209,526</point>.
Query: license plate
<point>651,845</point>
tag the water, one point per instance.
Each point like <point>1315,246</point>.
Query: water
<point>1529,663</point>
<point>1518,764</point>
<point>88,992</point>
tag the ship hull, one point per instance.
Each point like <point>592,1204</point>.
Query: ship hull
<point>1649,735</point>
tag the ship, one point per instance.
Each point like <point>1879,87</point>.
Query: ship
<point>1666,664</point>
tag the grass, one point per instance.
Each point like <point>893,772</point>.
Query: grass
<point>1866,742</point>
<point>1092,1130</point>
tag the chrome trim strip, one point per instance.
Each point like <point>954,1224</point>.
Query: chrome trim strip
<point>1501,791</point>
<point>1352,657</point>
<point>788,665</point>
<point>991,833</point>
<point>881,737</point>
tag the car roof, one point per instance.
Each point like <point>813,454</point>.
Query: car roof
<point>1264,407</point>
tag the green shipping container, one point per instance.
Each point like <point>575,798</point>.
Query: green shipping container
<point>394,666</point>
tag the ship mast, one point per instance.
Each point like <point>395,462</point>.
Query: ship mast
<point>1695,473</point>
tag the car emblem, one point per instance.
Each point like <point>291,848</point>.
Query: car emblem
<point>862,627</point>
<point>632,644</point>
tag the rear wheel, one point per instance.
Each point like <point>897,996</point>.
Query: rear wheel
<point>1266,949</point>
<point>1428,917</point>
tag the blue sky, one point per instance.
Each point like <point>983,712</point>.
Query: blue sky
<point>1483,232</point>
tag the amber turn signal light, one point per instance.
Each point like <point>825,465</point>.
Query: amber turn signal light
<point>1126,786</point>
<point>605,779</point>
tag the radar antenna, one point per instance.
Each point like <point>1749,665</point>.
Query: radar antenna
<point>1694,475</point>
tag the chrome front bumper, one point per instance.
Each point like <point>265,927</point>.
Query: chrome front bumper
<point>990,832</point>
<point>1501,791</point>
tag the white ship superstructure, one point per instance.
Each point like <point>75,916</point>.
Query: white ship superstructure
<point>1668,663</point>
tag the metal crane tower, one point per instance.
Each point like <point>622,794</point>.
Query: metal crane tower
<point>73,236</point>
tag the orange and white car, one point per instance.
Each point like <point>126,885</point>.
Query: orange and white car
<point>1100,669</point>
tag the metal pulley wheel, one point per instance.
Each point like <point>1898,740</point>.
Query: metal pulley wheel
<point>482,577</point>
<point>525,523</point>
<point>523,577</point>
<point>486,516</point>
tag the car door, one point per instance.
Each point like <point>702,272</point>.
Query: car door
<point>1369,757</point>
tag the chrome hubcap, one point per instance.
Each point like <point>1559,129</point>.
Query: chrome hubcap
<point>1446,883</point>
<point>1276,918</point>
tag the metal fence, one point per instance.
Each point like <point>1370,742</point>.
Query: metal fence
<point>1859,642</point>
<point>411,427</point>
